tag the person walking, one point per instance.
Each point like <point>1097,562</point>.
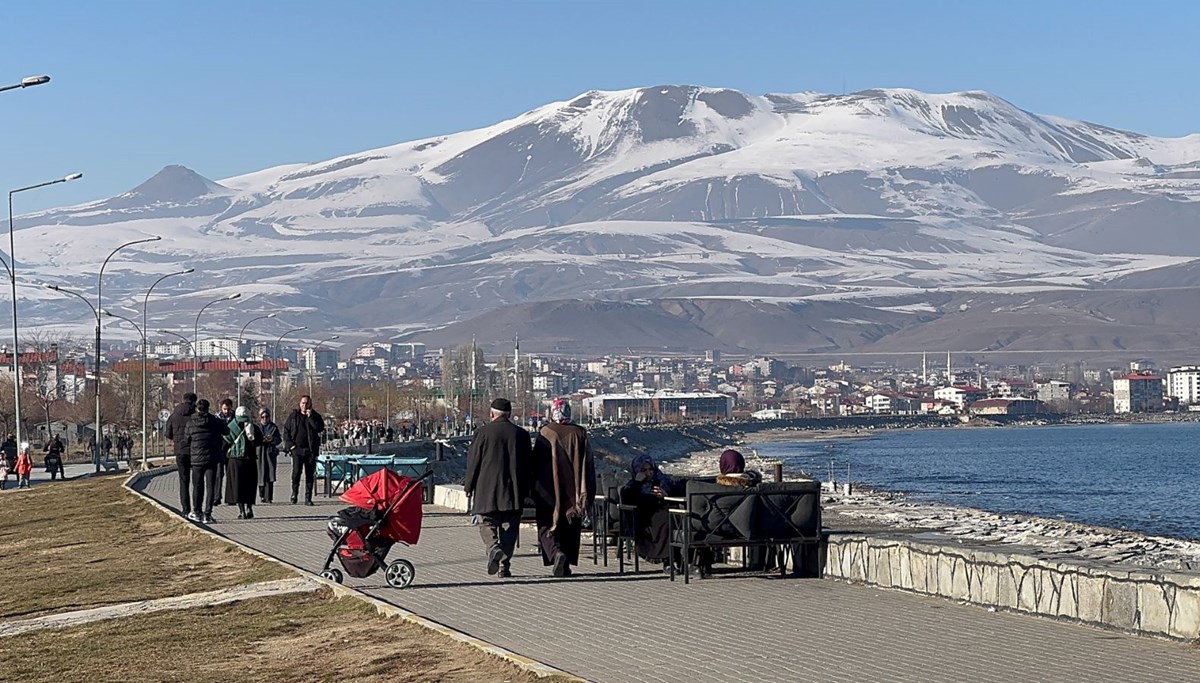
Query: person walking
<point>497,481</point>
<point>176,431</point>
<point>9,450</point>
<point>225,413</point>
<point>241,439</point>
<point>302,440</point>
<point>54,458</point>
<point>268,456</point>
<point>564,484</point>
<point>24,467</point>
<point>205,435</point>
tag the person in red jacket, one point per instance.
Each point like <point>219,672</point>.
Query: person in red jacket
<point>24,467</point>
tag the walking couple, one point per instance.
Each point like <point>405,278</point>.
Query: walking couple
<point>557,472</point>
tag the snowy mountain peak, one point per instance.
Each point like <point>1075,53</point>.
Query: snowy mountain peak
<point>175,184</point>
<point>680,193</point>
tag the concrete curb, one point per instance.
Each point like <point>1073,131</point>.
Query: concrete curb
<point>385,608</point>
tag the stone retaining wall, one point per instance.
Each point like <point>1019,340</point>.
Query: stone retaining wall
<point>1136,600</point>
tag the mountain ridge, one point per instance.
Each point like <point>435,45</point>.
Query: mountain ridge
<point>666,193</point>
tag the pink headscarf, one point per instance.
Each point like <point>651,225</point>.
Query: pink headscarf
<point>560,411</point>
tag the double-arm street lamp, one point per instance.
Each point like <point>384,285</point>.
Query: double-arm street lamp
<point>12,275</point>
<point>84,299</point>
<point>196,337</point>
<point>146,353</point>
<point>275,369</point>
<point>27,82</point>
<point>98,307</point>
<point>141,333</point>
<point>315,349</point>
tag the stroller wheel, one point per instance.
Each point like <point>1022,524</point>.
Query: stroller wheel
<point>399,574</point>
<point>333,575</point>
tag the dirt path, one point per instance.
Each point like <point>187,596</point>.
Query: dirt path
<point>189,601</point>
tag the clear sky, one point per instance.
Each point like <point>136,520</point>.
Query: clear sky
<point>231,86</point>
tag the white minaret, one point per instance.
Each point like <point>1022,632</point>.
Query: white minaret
<point>924,370</point>
<point>949,371</point>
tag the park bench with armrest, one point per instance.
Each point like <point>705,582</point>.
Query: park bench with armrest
<point>784,516</point>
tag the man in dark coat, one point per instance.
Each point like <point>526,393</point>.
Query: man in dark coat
<point>268,456</point>
<point>302,440</point>
<point>563,487</point>
<point>226,415</point>
<point>206,442</point>
<point>176,431</point>
<point>497,480</point>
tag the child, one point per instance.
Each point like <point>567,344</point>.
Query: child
<point>24,467</point>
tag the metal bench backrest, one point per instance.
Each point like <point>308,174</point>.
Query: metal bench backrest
<point>789,510</point>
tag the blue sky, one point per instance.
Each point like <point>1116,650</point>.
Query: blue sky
<point>227,87</point>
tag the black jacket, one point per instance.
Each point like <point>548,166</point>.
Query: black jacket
<point>205,437</point>
<point>302,435</point>
<point>498,468</point>
<point>177,424</point>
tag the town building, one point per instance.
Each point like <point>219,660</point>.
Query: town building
<point>661,406</point>
<point>1137,393</point>
<point>1052,391</point>
<point>1005,406</point>
<point>1183,384</point>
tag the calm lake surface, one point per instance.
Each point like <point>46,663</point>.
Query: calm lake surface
<point>1143,477</point>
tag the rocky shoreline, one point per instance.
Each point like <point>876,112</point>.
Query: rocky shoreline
<point>864,509</point>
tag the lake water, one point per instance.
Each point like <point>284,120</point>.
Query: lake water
<point>1143,478</point>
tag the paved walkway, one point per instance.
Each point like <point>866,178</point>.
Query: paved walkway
<point>607,627</point>
<point>39,476</point>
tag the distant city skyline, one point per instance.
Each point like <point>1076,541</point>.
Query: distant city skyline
<point>227,88</point>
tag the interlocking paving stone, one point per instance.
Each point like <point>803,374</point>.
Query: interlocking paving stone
<point>608,627</point>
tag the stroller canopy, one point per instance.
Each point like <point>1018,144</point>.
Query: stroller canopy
<point>385,490</point>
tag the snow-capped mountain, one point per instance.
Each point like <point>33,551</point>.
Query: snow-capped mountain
<point>878,220</point>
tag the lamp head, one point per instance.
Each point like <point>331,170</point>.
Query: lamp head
<point>29,81</point>
<point>74,176</point>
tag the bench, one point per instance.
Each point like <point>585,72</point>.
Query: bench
<point>341,471</point>
<point>785,516</point>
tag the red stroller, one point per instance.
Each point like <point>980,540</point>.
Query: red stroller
<point>386,509</point>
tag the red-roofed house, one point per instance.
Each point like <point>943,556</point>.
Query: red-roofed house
<point>1137,393</point>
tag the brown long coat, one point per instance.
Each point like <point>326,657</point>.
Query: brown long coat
<point>565,472</point>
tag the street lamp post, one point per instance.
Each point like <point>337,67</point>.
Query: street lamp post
<point>243,332</point>
<point>275,369</point>
<point>96,310</point>
<point>12,277</point>
<point>141,333</point>
<point>196,337</point>
<point>61,290</point>
<point>315,349</point>
<point>145,354</point>
<point>27,82</point>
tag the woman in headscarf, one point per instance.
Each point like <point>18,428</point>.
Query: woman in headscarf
<point>733,471</point>
<point>242,437</point>
<point>563,487</point>
<point>646,488</point>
